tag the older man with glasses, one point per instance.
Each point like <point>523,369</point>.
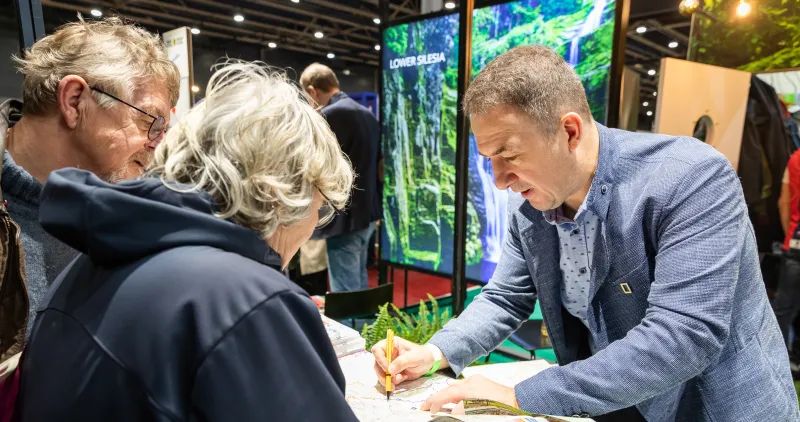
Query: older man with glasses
<point>79,111</point>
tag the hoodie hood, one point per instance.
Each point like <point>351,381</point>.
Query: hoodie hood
<point>120,223</point>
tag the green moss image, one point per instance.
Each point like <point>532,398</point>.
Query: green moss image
<point>420,92</point>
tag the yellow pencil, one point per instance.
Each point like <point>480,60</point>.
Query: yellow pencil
<point>389,353</point>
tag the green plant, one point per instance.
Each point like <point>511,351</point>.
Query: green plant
<point>417,328</point>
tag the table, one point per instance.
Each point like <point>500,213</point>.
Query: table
<point>368,399</point>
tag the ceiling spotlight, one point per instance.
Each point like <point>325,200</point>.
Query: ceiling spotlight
<point>377,21</point>
<point>649,113</point>
<point>195,89</point>
<point>196,31</point>
<point>331,55</point>
<point>641,29</point>
<point>646,103</point>
<point>346,72</point>
<point>238,17</point>
<point>318,34</point>
<point>295,1</point>
<point>651,72</point>
<point>96,13</point>
<point>449,5</point>
<point>655,93</point>
<point>688,7</point>
<point>672,44</point>
<point>743,8</point>
<point>377,47</point>
<point>271,44</point>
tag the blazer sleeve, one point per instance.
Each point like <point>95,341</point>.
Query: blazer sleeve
<point>701,234</point>
<point>498,311</point>
<point>276,363</point>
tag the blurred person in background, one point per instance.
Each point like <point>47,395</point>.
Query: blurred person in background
<point>357,131</point>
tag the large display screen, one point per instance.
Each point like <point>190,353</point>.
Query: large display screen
<point>581,31</point>
<point>418,119</point>
<point>420,76</point>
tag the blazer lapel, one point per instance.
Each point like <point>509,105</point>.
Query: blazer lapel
<point>541,240</point>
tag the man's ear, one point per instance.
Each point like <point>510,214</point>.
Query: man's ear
<point>72,94</point>
<point>573,126</point>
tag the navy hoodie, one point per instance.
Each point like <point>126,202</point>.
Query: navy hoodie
<point>170,314</point>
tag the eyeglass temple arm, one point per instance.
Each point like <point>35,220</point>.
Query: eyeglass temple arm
<point>123,102</point>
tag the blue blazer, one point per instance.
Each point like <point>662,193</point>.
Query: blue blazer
<point>679,320</point>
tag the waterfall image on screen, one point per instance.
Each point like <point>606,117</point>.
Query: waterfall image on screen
<point>420,76</point>
<point>582,32</point>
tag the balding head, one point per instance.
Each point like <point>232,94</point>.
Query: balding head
<point>319,82</point>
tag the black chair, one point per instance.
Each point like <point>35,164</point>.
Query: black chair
<point>358,303</point>
<point>529,336</point>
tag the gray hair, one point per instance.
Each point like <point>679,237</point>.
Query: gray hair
<point>110,54</point>
<point>257,147</point>
<point>533,79</point>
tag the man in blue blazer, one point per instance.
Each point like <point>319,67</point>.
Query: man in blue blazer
<point>640,251</point>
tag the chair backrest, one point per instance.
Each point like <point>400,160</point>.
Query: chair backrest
<point>357,303</point>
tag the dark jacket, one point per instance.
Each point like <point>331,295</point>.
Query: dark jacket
<point>358,134</point>
<point>766,147</point>
<point>44,257</point>
<point>170,314</point>
<point>13,291</point>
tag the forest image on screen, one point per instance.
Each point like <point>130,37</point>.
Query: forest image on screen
<point>419,104</point>
<point>420,77</point>
<point>582,32</point>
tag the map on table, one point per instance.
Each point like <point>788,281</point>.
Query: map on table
<point>367,397</point>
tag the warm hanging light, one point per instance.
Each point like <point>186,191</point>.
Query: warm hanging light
<point>743,8</point>
<point>688,7</point>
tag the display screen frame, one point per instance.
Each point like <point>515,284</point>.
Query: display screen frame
<point>381,83</point>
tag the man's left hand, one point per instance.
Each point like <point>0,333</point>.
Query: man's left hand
<point>477,387</point>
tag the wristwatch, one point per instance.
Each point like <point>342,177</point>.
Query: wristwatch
<point>437,358</point>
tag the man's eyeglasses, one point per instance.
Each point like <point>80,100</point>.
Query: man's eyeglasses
<point>157,126</point>
<point>327,211</point>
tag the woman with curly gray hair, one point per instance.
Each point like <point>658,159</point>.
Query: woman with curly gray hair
<point>177,308</point>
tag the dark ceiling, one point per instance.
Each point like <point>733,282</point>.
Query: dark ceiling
<point>347,25</point>
<point>349,30</point>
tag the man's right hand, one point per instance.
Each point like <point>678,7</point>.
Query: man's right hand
<point>409,361</point>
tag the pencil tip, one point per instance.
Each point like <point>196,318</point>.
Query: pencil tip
<point>387,395</point>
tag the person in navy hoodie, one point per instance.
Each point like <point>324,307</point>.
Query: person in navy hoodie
<point>177,308</point>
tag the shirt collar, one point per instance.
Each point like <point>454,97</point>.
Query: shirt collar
<point>337,97</point>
